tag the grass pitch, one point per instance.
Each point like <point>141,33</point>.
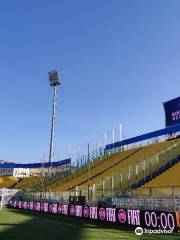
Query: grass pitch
<point>26,225</point>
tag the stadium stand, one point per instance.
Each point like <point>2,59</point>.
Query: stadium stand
<point>25,182</point>
<point>104,167</point>
<point>8,181</point>
<point>116,163</point>
<point>170,178</point>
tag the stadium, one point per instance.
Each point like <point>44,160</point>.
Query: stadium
<point>90,120</point>
<point>133,182</point>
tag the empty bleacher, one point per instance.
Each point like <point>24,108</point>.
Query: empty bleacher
<point>100,169</point>
<point>169,178</point>
<point>25,183</point>
<point>8,181</point>
<point>107,168</point>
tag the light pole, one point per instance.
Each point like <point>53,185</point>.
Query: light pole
<point>54,81</point>
<point>43,173</point>
<point>89,173</point>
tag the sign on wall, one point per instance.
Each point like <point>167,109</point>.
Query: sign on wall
<point>172,112</point>
<point>133,217</point>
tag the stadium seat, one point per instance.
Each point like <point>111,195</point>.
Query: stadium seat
<point>7,181</point>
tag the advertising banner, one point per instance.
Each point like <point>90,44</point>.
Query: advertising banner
<point>172,112</point>
<point>146,219</point>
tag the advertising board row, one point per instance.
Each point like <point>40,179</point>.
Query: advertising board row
<point>133,217</point>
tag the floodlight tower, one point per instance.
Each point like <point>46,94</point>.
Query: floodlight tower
<point>54,81</point>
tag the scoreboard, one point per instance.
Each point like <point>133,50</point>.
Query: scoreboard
<point>172,112</point>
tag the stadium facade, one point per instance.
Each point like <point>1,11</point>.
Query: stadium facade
<point>34,169</point>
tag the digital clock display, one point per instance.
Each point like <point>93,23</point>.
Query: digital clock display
<point>161,220</point>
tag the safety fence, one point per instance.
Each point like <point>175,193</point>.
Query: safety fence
<point>127,182</point>
<point>133,176</point>
<point>167,199</point>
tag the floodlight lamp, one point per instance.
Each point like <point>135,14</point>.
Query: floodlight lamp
<point>54,78</point>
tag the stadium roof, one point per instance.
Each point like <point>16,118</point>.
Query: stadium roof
<point>36,165</point>
<point>146,136</point>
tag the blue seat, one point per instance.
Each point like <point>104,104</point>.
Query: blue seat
<point>173,161</point>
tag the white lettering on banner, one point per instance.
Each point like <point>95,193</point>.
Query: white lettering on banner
<point>65,209</point>
<point>38,206</point>
<point>134,217</point>
<point>54,208</point>
<point>78,211</point>
<point>45,207</point>
<point>93,212</point>
<point>31,205</point>
<point>176,115</point>
<point>111,214</point>
<point>24,204</point>
<point>19,204</point>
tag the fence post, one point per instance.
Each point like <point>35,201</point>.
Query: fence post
<point>112,185</point>
<point>121,180</point>
<point>89,173</point>
<point>129,176</point>
<point>157,162</point>
<point>163,159</point>
<point>144,169</point>
<point>150,162</point>
<point>103,189</point>
<point>94,193</point>
<point>136,173</point>
<point>151,200</point>
<point>174,199</point>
